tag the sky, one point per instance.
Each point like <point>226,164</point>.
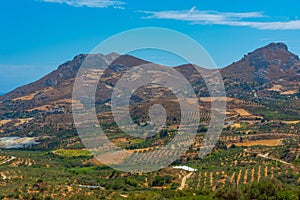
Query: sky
<point>38,35</point>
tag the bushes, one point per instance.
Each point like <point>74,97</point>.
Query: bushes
<point>228,192</point>
<point>131,182</point>
<point>263,190</point>
<point>269,189</point>
<point>161,181</point>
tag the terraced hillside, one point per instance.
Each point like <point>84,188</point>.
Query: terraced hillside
<point>42,156</point>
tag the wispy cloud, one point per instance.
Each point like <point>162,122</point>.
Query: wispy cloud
<point>246,19</point>
<point>89,3</point>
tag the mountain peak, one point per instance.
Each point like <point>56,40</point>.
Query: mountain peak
<point>277,46</point>
<point>271,54</point>
<point>113,54</point>
<point>129,61</point>
<point>268,64</point>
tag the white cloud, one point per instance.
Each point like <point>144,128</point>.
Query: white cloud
<point>225,18</point>
<point>89,3</point>
<point>202,16</point>
<point>289,25</point>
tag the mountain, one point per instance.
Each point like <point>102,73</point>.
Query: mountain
<point>272,65</point>
<point>56,87</point>
<point>44,106</point>
<point>259,140</point>
<point>268,69</point>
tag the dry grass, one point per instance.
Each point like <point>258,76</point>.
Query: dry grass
<point>276,88</point>
<point>229,112</point>
<point>77,105</point>
<point>270,142</point>
<point>258,174</point>
<point>116,157</point>
<point>245,176</point>
<point>242,112</point>
<point>291,122</point>
<point>236,125</point>
<point>239,176</point>
<point>289,92</point>
<point>31,96</point>
<point>252,174</point>
<point>26,98</point>
<point>71,152</point>
<point>43,108</point>
<point>3,122</point>
<point>209,99</point>
<point>141,150</point>
<point>22,121</point>
<point>281,90</point>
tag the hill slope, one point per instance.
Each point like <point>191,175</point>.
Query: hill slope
<point>267,78</point>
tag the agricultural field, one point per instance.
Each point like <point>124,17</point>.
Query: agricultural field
<point>73,173</point>
<point>252,149</point>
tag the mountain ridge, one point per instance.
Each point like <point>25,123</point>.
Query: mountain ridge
<point>258,71</point>
<point>44,107</point>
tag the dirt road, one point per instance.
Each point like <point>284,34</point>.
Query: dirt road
<point>183,181</point>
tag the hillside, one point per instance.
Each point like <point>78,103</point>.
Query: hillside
<point>260,78</point>
<point>268,71</point>
<point>259,145</point>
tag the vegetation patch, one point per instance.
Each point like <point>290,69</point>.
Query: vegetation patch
<point>72,153</point>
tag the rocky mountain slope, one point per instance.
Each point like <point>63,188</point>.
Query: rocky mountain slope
<point>270,72</point>
<point>268,69</point>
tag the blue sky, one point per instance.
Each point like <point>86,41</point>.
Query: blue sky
<point>38,35</point>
